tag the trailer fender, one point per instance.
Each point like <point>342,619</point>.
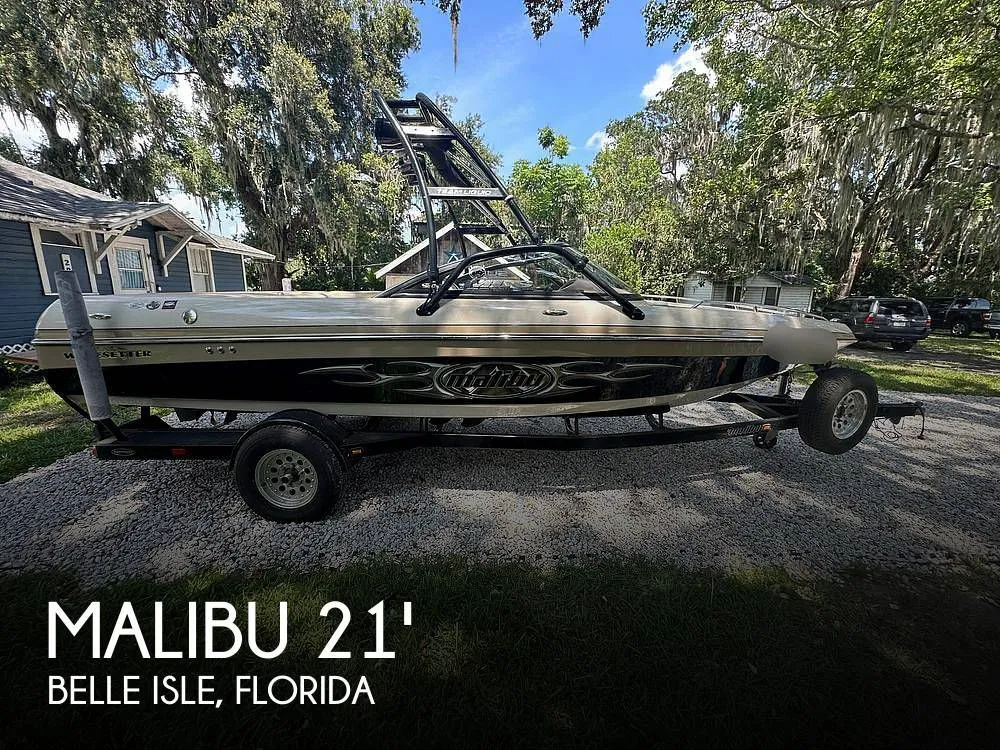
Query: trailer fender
<point>320,425</point>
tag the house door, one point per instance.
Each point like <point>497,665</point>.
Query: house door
<point>200,268</point>
<point>131,269</point>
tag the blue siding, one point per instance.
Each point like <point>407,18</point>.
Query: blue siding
<point>228,268</point>
<point>179,280</point>
<point>104,278</point>
<point>21,296</point>
<point>78,260</point>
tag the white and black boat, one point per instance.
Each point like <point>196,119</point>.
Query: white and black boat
<point>558,347</point>
<point>526,329</point>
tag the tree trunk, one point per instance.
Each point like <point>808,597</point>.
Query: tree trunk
<point>859,256</point>
<point>270,277</point>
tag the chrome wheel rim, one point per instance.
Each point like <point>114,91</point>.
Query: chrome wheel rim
<point>286,478</point>
<point>849,414</point>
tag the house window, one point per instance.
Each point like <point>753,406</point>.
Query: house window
<point>200,265</point>
<point>734,292</point>
<point>771,295</point>
<point>131,272</point>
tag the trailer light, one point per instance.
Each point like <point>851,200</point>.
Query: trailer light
<point>178,452</point>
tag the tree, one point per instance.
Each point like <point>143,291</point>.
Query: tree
<point>93,83</point>
<point>287,105</point>
<point>632,211</point>
<point>279,117</point>
<point>551,193</point>
<point>880,118</point>
<point>873,124</point>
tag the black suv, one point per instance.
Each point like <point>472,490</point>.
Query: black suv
<point>992,323</point>
<point>901,321</point>
<point>960,315</point>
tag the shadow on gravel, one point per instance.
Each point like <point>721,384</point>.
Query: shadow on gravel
<point>723,504</point>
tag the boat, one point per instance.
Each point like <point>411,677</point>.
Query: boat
<point>527,328</point>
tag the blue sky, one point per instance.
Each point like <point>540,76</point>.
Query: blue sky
<point>518,84</point>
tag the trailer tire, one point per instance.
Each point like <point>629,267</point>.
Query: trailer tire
<point>837,410</point>
<point>288,473</point>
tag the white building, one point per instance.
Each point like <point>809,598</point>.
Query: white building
<point>765,288</point>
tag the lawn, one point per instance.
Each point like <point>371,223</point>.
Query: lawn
<point>938,364</point>
<point>37,428</point>
<point>615,654</point>
<point>977,345</point>
<point>922,378</point>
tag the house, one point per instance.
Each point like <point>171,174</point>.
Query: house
<point>414,260</point>
<point>780,288</point>
<point>114,247</point>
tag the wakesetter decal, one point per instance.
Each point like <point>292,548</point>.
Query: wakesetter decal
<point>117,354</point>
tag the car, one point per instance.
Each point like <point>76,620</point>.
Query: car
<point>899,321</point>
<point>960,315</point>
<point>991,323</point>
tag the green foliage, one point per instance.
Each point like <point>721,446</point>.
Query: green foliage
<point>553,194</point>
<point>555,143</point>
<point>278,119</point>
<point>857,140</point>
<point>9,150</point>
<point>879,115</point>
<point>89,73</point>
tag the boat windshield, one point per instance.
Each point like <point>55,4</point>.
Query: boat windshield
<point>527,273</point>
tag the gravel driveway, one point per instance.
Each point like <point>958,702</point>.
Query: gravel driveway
<point>726,504</point>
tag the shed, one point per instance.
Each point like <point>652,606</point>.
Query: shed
<point>781,288</point>
<point>415,260</point>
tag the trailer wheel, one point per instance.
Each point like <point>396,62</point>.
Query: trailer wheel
<point>837,410</point>
<point>288,473</point>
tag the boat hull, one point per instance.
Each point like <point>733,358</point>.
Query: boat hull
<point>367,356</point>
<point>439,387</point>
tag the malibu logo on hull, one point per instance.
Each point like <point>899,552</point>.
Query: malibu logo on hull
<point>495,380</point>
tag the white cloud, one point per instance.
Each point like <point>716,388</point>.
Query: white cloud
<point>692,58</point>
<point>27,132</point>
<point>600,140</point>
<point>227,221</point>
<point>182,90</point>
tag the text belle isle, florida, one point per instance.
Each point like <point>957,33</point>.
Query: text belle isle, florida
<point>214,635</point>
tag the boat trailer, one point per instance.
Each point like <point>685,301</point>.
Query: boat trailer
<point>150,437</point>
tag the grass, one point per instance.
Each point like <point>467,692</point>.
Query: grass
<point>973,370</point>
<point>628,654</point>
<point>36,429</point>
<point>975,345</point>
<point>919,378</point>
